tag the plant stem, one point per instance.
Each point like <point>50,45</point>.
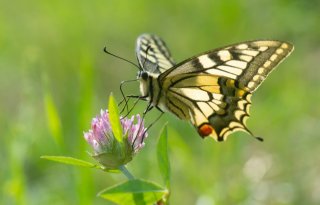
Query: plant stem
<point>126,172</point>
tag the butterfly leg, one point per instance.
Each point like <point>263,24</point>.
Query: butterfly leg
<point>130,110</point>
<point>122,93</point>
<point>149,107</point>
<point>127,102</point>
<point>155,121</point>
<point>138,98</point>
<point>149,126</point>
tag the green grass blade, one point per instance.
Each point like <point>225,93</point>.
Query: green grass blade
<point>53,118</point>
<point>162,154</point>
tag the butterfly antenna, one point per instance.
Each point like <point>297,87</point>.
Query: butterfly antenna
<point>114,55</point>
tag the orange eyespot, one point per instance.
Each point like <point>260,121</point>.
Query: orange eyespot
<point>205,130</point>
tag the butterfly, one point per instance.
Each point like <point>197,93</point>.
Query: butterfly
<point>212,90</point>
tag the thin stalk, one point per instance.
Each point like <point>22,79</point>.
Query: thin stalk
<point>126,172</point>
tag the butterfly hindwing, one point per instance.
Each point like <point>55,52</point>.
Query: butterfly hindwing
<point>153,54</point>
<point>213,104</point>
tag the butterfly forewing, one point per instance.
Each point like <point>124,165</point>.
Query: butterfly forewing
<point>249,63</point>
<point>153,54</point>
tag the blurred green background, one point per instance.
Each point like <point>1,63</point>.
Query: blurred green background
<point>54,78</point>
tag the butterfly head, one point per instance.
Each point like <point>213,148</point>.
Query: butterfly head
<point>143,77</point>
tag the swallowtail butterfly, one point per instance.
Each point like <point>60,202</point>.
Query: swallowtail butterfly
<point>212,90</point>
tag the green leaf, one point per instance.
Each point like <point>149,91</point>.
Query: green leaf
<point>134,191</point>
<point>70,160</point>
<point>162,154</point>
<point>114,118</point>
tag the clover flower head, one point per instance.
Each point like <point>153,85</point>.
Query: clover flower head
<point>108,151</point>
